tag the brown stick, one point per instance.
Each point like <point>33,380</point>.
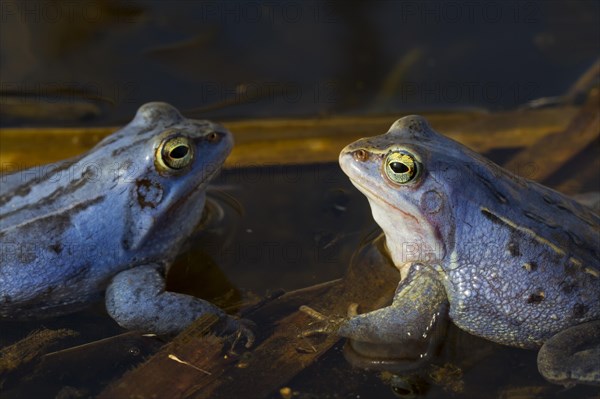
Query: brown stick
<point>280,353</point>
<point>545,157</point>
<point>299,141</point>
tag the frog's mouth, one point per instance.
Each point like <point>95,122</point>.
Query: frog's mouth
<point>191,194</point>
<point>205,181</point>
<point>348,167</point>
<point>378,198</point>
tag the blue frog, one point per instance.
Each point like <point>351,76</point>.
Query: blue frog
<point>112,221</point>
<point>513,261</point>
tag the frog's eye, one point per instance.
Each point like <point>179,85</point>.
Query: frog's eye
<point>401,167</point>
<point>175,153</point>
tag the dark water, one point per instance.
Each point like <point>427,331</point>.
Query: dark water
<point>282,58</point>
<point>295,226</point>
<point>302,233</point>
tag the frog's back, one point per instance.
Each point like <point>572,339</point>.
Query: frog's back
<point>525,263</point>
<point>67,228</point>
<point>51,219</point>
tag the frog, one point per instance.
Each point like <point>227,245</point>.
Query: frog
<point>110,223</point>
<point>501,256</point>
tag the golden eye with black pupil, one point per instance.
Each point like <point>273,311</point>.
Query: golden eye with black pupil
<point>175,153</point>
<point>401,167</point>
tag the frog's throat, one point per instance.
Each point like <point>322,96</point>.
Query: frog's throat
<point>195,192</point>
<point>409,238</point>
<point>144,225</point>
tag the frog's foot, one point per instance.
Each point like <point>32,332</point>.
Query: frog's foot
<point>420,301</point>
<point>323,324</point>
<point>572,356</point>
<point>240,330</point>
<point>137,300</point>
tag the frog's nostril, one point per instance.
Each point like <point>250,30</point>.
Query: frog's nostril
<point>213,137</point>
<point>360,155</point>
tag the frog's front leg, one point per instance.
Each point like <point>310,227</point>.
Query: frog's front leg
<point>137,300</point>
<point>419,301</point>
<point>572,356</point>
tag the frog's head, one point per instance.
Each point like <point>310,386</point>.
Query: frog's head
<point>408,197</point>
<point>164,163</point>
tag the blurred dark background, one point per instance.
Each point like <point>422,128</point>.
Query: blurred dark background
<point>97,61</point>
<point>85,63</point>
